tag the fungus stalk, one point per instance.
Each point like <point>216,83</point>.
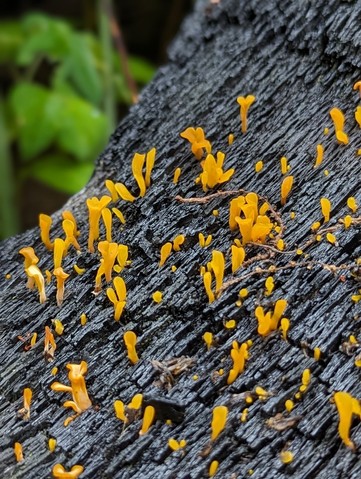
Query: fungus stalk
<point>245,103</point>
<point>219,419</point>
<point>130,340</point>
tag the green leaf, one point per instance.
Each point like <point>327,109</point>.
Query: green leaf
<point>28,104</point>
<point>82,129</point>
<point>61,172</point>
<point>44,36</point>
<point>11,38</point>
<point>141,70</point>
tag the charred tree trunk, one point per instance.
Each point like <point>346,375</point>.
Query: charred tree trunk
<point>299,59</point>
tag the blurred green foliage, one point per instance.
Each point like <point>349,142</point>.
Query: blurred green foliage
<point>53,115</point>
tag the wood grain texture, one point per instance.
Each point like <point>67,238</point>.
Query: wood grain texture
<point>299,59</point>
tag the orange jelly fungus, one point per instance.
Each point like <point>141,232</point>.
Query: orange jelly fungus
<point>110,186</point>
<point>199,144</point>
<point>245,102</point>
<point>108,222</point>
<point>213,173</point>
<point>177,242</point>
<point>208,339</point>
<point>59,472</point>
<point>70,235</point>
<point>81,401</point>
<point>268,322</point>
<point>176,175</point>
<point>284,165</point>
<point>61,276</point>
<point>95,207</point>
<point>338,119</point>
<point>216,266</point>
<point>346,405</point>
<point>219,419</point>
<point>49,344</point>
<point>45,223</point>
<point>30,258</point>
<point>213,468</point>
<point>18,451</point>
<point>118,296</point>
<point>120,408</point>
<point>319,156</point>
<point>286,187</point>
<point>176,445</point>
<point>325,208</point>
<point>109,253</point>
<point>358,116</point>
<point>203,242</point>
<point>24,412</point>
<point>35,275</point>
<point>130,340</point>
<point>165,252</point>
<point>148,419</point>
<point>119,215</point>
<point>59,252</point>
<point>239,355</point>
<point>238,256</point>
<point>357,86</point>
<point>351,203</point>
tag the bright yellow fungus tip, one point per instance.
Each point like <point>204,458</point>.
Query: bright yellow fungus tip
<point>30,258</point>
<point>137,170</point>
<point>258,166</point>
<point>315,226</point>
<point>285,326</point>
<point>33,339</point>
<point>292,215</point>
<point>177,242</point>
<point>358,115</point>
<point>213,173</point>
<point>326,131</point>
<point>107,220</point>
<point>230,324</point>
<point>18,451</point>
<point>109,184</point>
<point>351,203</point>
<point>119,215</point>
<point>199,144</point>
<point>317,354</point>
<point>239,355</point>
<point>54,371</point>
<point>35,276</point>
<point>213,468</point>
<point>215,212</point>
<point>173,268</point>
<point>347,221</point>
<point>219,419</point>
<point>280,245</point>
<point>331,238</point>
<point>58,326</point>
<point>319,157</point>
<point>346,405</point>
<point>176,176</point>
<point>59,472</point>
<point>165,251</point>
<point>83,319</point>
<point>52,444</point>
<point>59,252</point>
<point>130,340</point>
<point>195,377</point>
<point>78,270</point>
<point>119,408</point>
<point>148,419</point>
<point>70,235</point>
<point>243,293</point>
<point>243,417</point>
<point>176,445</point>
<point>286,457</point>
<point>61,276</point>
<point>298,396</point>
<point>157,296</point>
<point>245,103</point>
<point>49,344</point>
<point>286,187</point>
<point>207,280</point>
<point>306,377</point>
<point>289,405</point>
<point>261,393</point>
<point>338,119</point>
<point>230,139</point>
<point>208,339</point>
<point>95,207</point>
<point>269,285</point>
<point>45,222</point>
<point>284,165</point>
<point>325,208</point>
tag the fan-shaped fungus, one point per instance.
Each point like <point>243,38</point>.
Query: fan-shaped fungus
<point>35,274</point>
<point>219,419</point>
<point>148,419</point>
<point>177,242</point>
<point>245,103</point>
<point>81,401</point>
<point>213,173</point>
<point>346,407</point>
<point>130,340</point>
<point>238,255</point>
<point>198,142</point>
<point>59,472</point>
<point>286,187</point>
<point>45,222</point>
<point>176,445</point>
<point>95,206</point>
<point>118,297</point>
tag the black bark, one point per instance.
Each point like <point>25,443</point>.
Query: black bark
<point>299,59</point>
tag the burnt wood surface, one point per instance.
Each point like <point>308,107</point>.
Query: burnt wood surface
<point>299,59</point>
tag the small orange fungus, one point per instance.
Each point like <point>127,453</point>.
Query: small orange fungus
<point>30,258</point>
<point>157,296</point>
<point>107,220</point>
<point>83,319</point>
<point>207,281</point>
<point>245,103</point>
<point>33,339</point>
<point>244,415</point>
<point>286,187</point>
<point>258,166</point>
<point>239,355</point>
<point>268,322</point>
<point>280,244</point>
<point>238,256</point>
<point>357,86</point>
<point>95,207</point>
<point>61,276</point>
<point>79,270</point>
<point>358,115</point>
<point>148,419</point>
<point>45,223</point>
<point>289,405</point>
<point>230,139</point>
<point>213,173</point>
<point>346,405</point>
<point>176,175</point>
<point>219,419</point>
<point>176,445</point>
<point>216,266</point>
<point>70,234</point>
<point>78,390</point>
<point>58,326</point>
<point>49,344</point>
<point>52,444</point>
<point>230,324</point>
<point>130,340</point>
<point>351,203</point>
<point>18,451</point>
<point>331,238</point>
<point>325,208</point>
<point>203,242</point>
<point>284,165</point>
<point>59,472</point>
<point>119,215</point>
<point>199,144</point>
<point>35,275</point>
<point>109,184</point>
<point>177,242</point>
<point>24,413</point>
<point>286,457</point>
<point>269,285</point>
<point>319,157</point>
<point>317,354</point>
<point>208,339</point>
<point>338,119</point>
<point>118,296</point>
<point>165,252</point>
<point>59,252</point>
<point>213,468</point>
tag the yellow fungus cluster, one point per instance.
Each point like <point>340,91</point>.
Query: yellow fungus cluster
<point>252,221</point>
<point>118,296</point>
<point>167,248</point>
<point>239,355</point>
<point>59,472</point>
<point>268,322</point>
<point>198,141</point>
<point>121,410</point>
<point>203,242</point>
<point>215,268</point>
<point>347,406</point>
<point>77,389</point>
<point>213,173</point>
<point>176,445</point>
